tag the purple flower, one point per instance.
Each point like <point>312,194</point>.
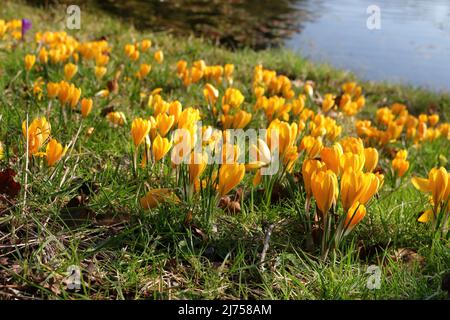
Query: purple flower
<point>26,25</point>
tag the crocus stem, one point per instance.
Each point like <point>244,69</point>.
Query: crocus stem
<point>324,236</point>
<point>445,223</point>
<point>309,239</point>
<point>135,154</point>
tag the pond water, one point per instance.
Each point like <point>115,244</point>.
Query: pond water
<point>412,46</point>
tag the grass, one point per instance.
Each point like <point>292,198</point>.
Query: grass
<point>128,253</point>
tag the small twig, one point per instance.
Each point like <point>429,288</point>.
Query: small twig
<point>71,145</point>
<point>266,244</point>
<point>74,140</point>
<point>27,157</point>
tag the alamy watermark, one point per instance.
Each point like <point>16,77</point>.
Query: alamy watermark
<point>73,20</point>
<point>374,280</point>
<point>374,19</point>
<point>73,279</point>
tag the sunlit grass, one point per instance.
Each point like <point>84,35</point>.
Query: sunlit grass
<point>126,252</point>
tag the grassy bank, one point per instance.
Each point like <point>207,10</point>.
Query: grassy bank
<point>126,252</point>
<point>96,25</point>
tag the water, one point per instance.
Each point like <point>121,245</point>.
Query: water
<point>412,46</point>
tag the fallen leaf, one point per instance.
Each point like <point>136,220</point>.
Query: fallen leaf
<point>224,202</point>
<point>409,256</point>
<point>8,185</point>
<point>113,85</point>
<point>232,206</point>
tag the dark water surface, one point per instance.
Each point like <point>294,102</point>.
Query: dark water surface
<point>412,46</point>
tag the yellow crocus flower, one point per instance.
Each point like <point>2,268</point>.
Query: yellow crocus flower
<point>188,117</point>
<point>144,70</point>
<point>354,216</point>
<point>2,152</point>
<point>70,70</point>
<point>402,154</point>
<point>400,166</point>
<point>160,147</point>
<point>211,94</point>
<point>164,123</point>
<point>43,55</point>
<point>52,90</point>
<point>331,156</point>
<point>175,109</point>
<point>37,134</point>
<point>357,186</point>
<point>86,107</point>
<point>427,216</point>
<point>181,67</point>
<point>155,197</point>
<point>308,89</point>
<point>324,186</point>
<point>352,161</point>
<point>197,165</point>
<point>54,152</point>
<point>371,159</point>
<point>353,145</point>
<point>309,167</point>
<point>65,92</point>
<point>233,97</point>
<point>230,175</point>
<point>328,102</point>
<point>129,49</point>
<point>438,184</point>
<point>116,118</point>
<point>99,72</point>
<point>312,146</point>
<point>287,135</point>
<point>30,59</point>
<point>145,45</point>
<point>140,129</point>
<point>75,97</point>
<point>433,119</point>
<point>159,56</point>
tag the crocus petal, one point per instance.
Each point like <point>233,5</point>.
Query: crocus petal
<point>421,184</point>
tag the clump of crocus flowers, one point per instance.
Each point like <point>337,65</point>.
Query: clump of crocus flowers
<point>38,134</point>
<point>395,124</point>
<point>340,174</point>
<point>14,30</point>
<point>400,164</point>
